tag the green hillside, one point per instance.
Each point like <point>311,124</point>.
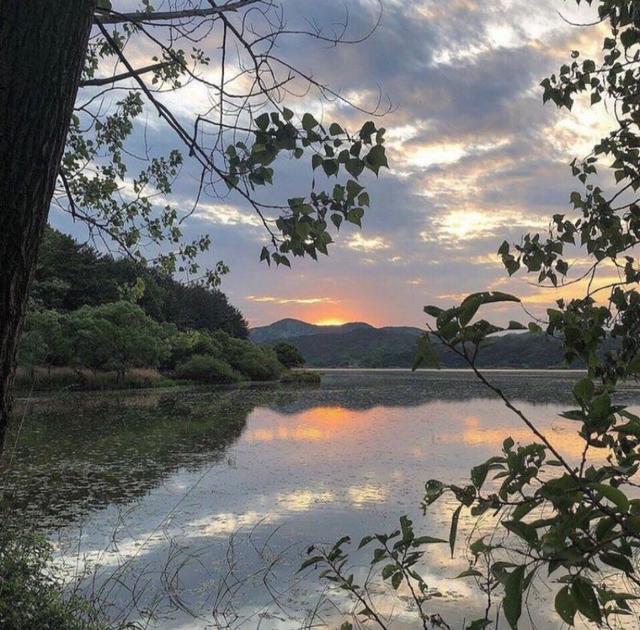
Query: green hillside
<point>361,345</point>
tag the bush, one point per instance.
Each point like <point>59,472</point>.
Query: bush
<point>288,355</point>
<point>30,597</point>
<point>185,344</point>
<point>256,363</point>
<point>207,369</point>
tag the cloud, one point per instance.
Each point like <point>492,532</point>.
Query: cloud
<point>363,244</point>
<point>225,214</point>
<point>476,158</point>
<point>261,299</point>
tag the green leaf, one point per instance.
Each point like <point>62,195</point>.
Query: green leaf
<point>376,158</point>
<point>434,311</point>
<point>565,606</point>
<point>355,216</point>
<point>523,530</point>
<point>491,297</point>
<point>330,167</point>
<point>354,167</point>
<point>365,541</point>
<point>512,602</point>
<point>388,570</point>
<point>617,561</point>
<point>479,474</point>
<point>468,573</point>
<point>468,309</point>
<point>309,122</point>
<point>453,532</point>
<point>262,122</point>
<point>310,561</point>
<point>316,160</point>
<point>583,390</point>
<point>396,580</point>
<point>287,114</point>
<point>586,600</point>
<point>614,495</point>
<point>335,129</point>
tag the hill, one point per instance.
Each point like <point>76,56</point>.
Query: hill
<point>290,328</point>
<point>362,345</point>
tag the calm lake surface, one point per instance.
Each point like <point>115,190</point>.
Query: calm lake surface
<point>192,508</point>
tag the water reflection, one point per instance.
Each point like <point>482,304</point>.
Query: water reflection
<point>228,487</point>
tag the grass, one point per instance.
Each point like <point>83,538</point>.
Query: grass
<point>42,379</point>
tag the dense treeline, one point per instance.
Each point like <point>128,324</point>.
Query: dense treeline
<point>70,275</point>
<point>99,314</point>
<point>120,336</point>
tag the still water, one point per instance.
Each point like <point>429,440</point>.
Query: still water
<point>192,508</point>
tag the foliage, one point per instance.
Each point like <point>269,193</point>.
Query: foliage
<point>185,344</point>
<point>124,194</point>
<point>70,275</point>
<point>288,355</point>
<point>45,341</point>
<point>207,369</point>
<point>399,552</point>
<point>116,337</point>
<point>258,363</point>
<point>119,336</point>
<point>573,524</point>
<point>30,597</point>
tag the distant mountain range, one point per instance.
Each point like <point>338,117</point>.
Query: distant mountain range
<point>361,345</point>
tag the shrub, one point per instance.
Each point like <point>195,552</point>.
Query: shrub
<point>288,355</point>
<point>207,369</point>
<point>30,597</point>
<point>256,363</point>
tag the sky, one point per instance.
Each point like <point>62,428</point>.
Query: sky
<point>475,159</point>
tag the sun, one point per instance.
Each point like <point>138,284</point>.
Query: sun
<point>330,322</point>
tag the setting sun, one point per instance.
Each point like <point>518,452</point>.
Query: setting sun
<point>330,321</point>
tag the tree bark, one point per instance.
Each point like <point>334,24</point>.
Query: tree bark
<point>43,44</point>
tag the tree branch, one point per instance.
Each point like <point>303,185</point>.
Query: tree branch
<point>125,75</point>
<point>112,17</point>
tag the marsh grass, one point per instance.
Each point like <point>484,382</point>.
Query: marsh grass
<point>59,378</point>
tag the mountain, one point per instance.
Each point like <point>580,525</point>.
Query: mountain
<point>361,345</point>
<point>290,328</point>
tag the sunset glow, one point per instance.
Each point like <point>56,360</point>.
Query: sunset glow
<point>330,321</point>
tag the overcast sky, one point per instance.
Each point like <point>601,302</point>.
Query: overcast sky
<point>475,158</point>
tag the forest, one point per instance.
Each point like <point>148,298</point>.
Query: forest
<point>93,319</point>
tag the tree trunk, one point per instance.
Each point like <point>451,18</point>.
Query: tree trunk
<point>43,45</point>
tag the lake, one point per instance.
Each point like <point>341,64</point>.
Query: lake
<point>192,508</point>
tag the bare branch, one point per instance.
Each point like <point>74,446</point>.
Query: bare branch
<point>113,17</point>
<point>126,75</point>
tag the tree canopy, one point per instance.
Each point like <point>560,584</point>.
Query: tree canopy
<point>233,53</point>
<point>70,275</point>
